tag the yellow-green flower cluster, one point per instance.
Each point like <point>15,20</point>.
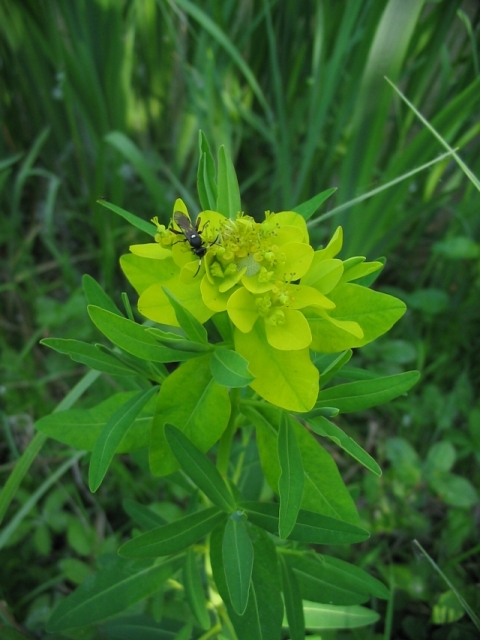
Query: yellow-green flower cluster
<point>282,297</point>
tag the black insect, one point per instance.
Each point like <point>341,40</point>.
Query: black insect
<point>192,236</point>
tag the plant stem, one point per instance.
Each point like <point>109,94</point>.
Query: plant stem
<point>225,444</point>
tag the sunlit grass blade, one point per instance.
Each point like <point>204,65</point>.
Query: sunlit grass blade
<point>470,175</point>
<point>374,192</point>
<point>473,616</point>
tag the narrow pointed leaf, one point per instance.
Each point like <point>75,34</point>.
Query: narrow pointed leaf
<point>228,200</point>
<point>192,327</point>
<point>206,182</point>
<point>329,616</point>
<point>112,434</point>
<point>293,601</point>
<point>237,550</point>
<point>327,429</point>
<point>308,208</point>
<point>334,574</point>
<point>194,403</point>
<point>194,590</point>
<point>81,428</point>
<point>199,469</point>
<point>133,338</point>
<point>89,355</point>
<point>319,581</point>
<point>143,627</point>
<point>361,395</point>
<point>174,341</point>
<point>230,369</point>
<point>262,619</point>
<point>333,364</point>
<point>173,537</point>
<point>109,592</point>
<point>134,220</point>
<point>291,481</point>
<point>143,516</point>
<point>96,295</point>
<point>324,491</point>
<point>310,527</point>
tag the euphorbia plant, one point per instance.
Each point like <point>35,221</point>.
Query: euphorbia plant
<point>243,329</point>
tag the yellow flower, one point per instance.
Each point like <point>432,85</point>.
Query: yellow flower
<point>240,255</point>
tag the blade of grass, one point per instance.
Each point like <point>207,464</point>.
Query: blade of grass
<point>386,56</point>
<point>468,610</point>
<point>8,530</point>
<point>32,450</point>
<point>209,25</point>
<point>373,192</point>
<point>470,175</point>
<point>283,145</point>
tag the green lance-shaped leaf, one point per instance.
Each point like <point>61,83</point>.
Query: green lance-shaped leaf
<point>199,469</point>
<point>194,403</point>
<point>310,527</point>
<point>206,182</point>
<point>134,220</point>
<point>330,364</point>
<point>81,428</point>
<point>143,516</point>
<point>88,354</point>
<point>324,490</point>
<point>291,481</point>
<point>112,434</point>
<point>110,592</point>
<point>324,579</point>
<point>328,616</point>
<point>173,537</point>
<point>96,295</point>
<point>192,327</point>
<point>194,590</point>
<point>237,552</point>
<point>327,429</point>
<point>133,338</point>
<point>230,369</point>
<point>262,619</point>
<point>144,627</point>
<point>293,601</point>
<point>361,395</point>
<point>308,208</point>
<point>228,199</point>
<point>178,342</point>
